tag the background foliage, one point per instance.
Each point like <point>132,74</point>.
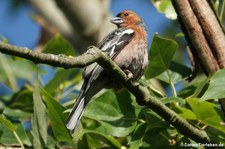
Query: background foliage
<point>34,115</point>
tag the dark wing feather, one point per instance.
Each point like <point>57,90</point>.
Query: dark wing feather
<point>111,44</point>
<point>116,40</point>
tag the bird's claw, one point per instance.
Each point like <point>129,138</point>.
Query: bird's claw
<point>129,74</point>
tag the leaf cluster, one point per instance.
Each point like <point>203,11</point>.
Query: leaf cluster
<point>34,115</point>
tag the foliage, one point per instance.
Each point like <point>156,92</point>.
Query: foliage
<point>34,115</point>
<point>165,6</point>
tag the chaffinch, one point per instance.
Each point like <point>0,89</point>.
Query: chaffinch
<point>127,46</point>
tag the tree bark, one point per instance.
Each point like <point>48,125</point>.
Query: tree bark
<point>204,34</point>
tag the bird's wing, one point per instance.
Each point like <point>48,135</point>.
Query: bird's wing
<point>116,40</point>
<point>111,44</point>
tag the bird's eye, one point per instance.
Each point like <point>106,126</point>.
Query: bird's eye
<point>126,14</point>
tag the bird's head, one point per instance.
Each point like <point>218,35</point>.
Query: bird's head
<point>127,17</point>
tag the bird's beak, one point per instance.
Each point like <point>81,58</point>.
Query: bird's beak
<point>117,20</point>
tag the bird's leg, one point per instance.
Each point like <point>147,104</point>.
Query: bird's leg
<point>128,73</point>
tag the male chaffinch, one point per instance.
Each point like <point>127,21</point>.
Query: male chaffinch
<point>127,46</point>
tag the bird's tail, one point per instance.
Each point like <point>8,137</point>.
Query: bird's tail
<point>75,115</point>
<point>88,90</point>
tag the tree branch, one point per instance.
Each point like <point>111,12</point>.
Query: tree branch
<point>51,59</point>
<point>141,93</point>
<point>195,35</point>
<point>212,29</point>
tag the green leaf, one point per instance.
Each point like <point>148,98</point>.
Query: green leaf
<point>154,120</point>
<point>207,112</point>
<point>7,136</point>
<point>58,45</point>
<point>111,107</point>
<point>16,113</point>
<point>166,7</point>
<point>22,135</point>
<point>135,139</point>
<point>93,142</point>
<point>7,74</point>
<point>184,112</point>
<point>21,67</point>
<point>179,72</point>
<point>105,107</point>
<point>119,128</point>
<point>101,138</point>
<point>7,123</point>
<point>3,39</point>
<point>39,120</point>
<point>15,131</point>
<point>114,112</point>
<point>124,99</point>
<point>173,76</point>
<point>216,135</point>
<point>161,53</point>
<point>60,76</point>
<point>216,86</point>
<point>12,68</point>
<point>181,34</point>
<point>22,100</point>
<point>194,88</point>
<point>57,117</point>
<point>173,100</point>
<point>157,138</point>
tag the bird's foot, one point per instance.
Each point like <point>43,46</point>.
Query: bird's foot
<point>129,74</point>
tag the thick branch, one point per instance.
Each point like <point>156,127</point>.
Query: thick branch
<point>211,28</point>
<point>195,35</point>
<point>141,93</point>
